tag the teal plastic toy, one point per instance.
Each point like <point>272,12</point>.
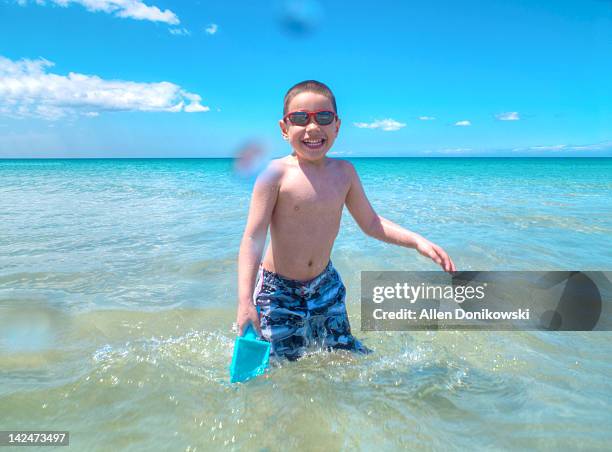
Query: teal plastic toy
<point>251,356</point>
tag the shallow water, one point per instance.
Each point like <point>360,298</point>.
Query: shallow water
<point>117,292</point>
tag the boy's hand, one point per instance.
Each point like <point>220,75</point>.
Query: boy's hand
<point>436,254</point>
<point>247,313</point>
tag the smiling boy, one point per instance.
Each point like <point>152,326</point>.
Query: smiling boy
<point>300,198</point>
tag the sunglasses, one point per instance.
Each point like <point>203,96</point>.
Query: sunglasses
<point>301,118</point>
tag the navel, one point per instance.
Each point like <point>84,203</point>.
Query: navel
<point>310,263</point>
<point>296,208</point>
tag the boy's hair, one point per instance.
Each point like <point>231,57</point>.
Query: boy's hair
<point>310,86</point>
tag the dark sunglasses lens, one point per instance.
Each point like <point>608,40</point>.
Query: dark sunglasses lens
<point>299,118</point>
<point>325,117</point>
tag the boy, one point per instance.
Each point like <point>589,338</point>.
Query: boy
<point>300,198</point>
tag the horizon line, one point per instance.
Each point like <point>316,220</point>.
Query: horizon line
<point>340,157</point>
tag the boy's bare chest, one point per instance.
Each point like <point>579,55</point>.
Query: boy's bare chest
<point>306,195</point>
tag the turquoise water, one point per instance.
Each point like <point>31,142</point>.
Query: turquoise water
<point>117,293</point>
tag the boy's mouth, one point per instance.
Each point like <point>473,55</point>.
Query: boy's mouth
<point>314,144</point>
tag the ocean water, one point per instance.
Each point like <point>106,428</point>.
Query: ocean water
<point>117,294</point>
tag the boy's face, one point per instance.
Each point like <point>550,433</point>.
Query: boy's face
<point>312,141</point>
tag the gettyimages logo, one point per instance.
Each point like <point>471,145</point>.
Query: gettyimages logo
<point>553,301</point>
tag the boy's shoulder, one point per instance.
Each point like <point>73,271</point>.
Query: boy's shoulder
<point>345,167</point>
<point>273,172</point>
<point>277,168</point>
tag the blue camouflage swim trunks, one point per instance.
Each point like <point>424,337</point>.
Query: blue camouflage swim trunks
<point>298,315</point>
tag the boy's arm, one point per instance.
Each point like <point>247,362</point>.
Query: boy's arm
<point>382,229</point>
<point>263,200</point>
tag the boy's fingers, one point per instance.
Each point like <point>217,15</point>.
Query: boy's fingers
<point>443,264</point>
<point>257,326</point>
<point>448,263</point>
<point>452,265</point>
<point>439,256</point>
<point>242,326</point>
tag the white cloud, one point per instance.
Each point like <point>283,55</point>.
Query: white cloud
<point>454,150</point>
<point>27,89</point>
<point>508,116</point>
<point>388,125</point>
<point>179,31</point>
<point>554,147</point>
<point>211,29</point>
<point>602,146</point>
<point>133,9</point>
<point>463,123</point>
<point>341,153</point>
<point>195,106</point>
<point>426,118</point>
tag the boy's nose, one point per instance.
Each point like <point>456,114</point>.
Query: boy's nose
<point>312,124</point>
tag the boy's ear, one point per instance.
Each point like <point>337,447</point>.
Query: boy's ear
<point>338,125</point>
<point>284,131</point>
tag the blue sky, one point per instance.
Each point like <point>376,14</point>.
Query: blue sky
<point>159,78</point>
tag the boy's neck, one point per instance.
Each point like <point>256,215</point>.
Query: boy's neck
<point>314,163</point>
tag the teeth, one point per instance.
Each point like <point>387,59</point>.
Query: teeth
<point>313,141</point>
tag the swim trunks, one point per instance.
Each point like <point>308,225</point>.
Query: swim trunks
<point>298,315</point>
